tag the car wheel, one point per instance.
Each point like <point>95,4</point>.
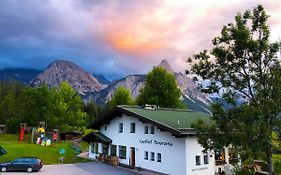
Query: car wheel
<point>29,169</point>
<point>4,169</point>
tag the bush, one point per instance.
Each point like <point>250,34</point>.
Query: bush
<point>277,163</point>
<point>243,171</point>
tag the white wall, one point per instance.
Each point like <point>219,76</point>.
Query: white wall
<point>173,157</point>
<point>178,159</point>
<point>193,148</point>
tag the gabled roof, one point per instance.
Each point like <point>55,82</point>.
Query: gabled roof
<point>72,132</point>
<point>176,121</point>
<point>96,137</point>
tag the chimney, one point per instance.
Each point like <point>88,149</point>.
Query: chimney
<point>150,107</point>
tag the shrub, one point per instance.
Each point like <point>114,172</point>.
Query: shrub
<point>243,171</point>
<point>277,163</point>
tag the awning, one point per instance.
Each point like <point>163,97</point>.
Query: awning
<point>96,137</point>
<point>2,151</point>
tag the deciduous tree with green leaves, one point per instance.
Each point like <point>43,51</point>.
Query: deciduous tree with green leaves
<point>160,89</point>
<point>242,66</point>
<point>122,96</point>
<point>67,109</point>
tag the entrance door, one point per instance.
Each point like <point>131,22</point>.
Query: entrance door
<point>133,157</point>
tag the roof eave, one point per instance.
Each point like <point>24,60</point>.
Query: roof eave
<point>119,110</point>
<point>175,132</point>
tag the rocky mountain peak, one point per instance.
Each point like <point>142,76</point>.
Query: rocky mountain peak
<point>165,64</point>
<point>63,64</point>
<point>62,70</point>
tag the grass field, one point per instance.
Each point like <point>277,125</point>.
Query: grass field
<point>49,155</point>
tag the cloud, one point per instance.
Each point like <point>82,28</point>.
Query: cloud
<point>115,38</point>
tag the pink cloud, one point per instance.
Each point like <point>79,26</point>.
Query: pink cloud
<point>139,34</point>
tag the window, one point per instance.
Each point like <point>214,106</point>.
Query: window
<point>133,128</point>
<point>152,130</point>
<point>206,159</point>
<point>26,161</point>
<point>233,155</point>
<point>113,150</point>
<point>197,160</point>
<point>18,161</point>
<point>105,128</point>
<point>158,157</point>
<point>94,148</point>
<point>146,155</point>
<point>120,127</point>
<point>220,157</point>
<point>122,152</point>
<point>105,149</point>
<point>152,156</point>
<point>146,130</point>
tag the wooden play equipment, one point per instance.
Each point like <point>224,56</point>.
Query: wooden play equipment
<point>3,129</point>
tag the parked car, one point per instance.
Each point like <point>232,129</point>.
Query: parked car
<point>28,164</point>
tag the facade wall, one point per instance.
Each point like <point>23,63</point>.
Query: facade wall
<point>178,155</point>
<point>171,149</point>
<point>193,149</point>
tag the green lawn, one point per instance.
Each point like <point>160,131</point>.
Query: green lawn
<point>49,154</point>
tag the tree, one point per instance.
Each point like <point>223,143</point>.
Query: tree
<point>9,104</point>
<point>35,105</point>
<point>93,111</point>
<point>67,109</point>
<point>122,96</point>
<point>242,66</point>
<point>160,89</point>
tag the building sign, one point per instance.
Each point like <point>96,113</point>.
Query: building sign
<point>155,142</point>
<point>198,169</point>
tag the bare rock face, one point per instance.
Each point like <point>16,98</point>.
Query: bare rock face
<point>91,89</point>
<point>133,83</point>
<point>165,64</point>
<point>61,70</point>
<point>191,95</point>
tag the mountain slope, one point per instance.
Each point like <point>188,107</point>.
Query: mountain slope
<point>102,79</point>
<point>18,74</point>
<point>191,96</point>
<point>61,70</point>
<point>132,82</point>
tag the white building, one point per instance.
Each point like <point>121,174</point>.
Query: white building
<point>160,140</point>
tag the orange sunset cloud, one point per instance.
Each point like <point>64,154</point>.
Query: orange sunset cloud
<point>133,43</point>
<point>121,37</point>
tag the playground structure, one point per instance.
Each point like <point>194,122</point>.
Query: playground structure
<point>3,129</point>
<point>39,134</point>
<point>2,151</point>
<point>41,137</point>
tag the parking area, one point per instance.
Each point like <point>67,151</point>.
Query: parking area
<point>90,168</point>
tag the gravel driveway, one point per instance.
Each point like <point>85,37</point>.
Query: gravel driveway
<point>90,168</point>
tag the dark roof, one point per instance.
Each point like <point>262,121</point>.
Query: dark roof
<point>96,137</point>
<point>72,132</point>
<point>176,121</point>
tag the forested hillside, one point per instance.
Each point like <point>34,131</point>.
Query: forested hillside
<point>60,107</point>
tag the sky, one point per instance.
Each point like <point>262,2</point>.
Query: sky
<point>116,37</point>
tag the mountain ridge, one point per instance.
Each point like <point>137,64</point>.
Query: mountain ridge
<point>97,88</point>
<point>62,70</point>
<point>191,95</point>
<point>23,75</point>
